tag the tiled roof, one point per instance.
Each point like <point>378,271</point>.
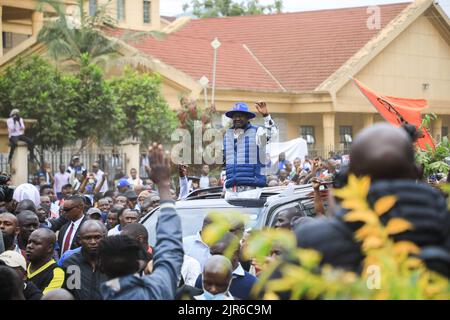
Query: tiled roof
<point>290,51</point>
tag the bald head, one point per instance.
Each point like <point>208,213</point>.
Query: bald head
<point>382,151</point>
<point>10,217</point>
<point>91,233</point>
<point>9,224</point>
<point>285,217</point>
<point>217,274</point>
<point>25,215</point>
<point>92,225</point>
<point>25,204</point>
<point>218,264</point>
<point>136,231</point>
<point>58,294</point>
<point>40,246</point>
<point>46,235</point>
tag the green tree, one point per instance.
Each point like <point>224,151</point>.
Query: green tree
<point>224,8</point>
<point>140,110</point>
<point>40,92</point>
<point>93,105</point>
<point>70,39</point>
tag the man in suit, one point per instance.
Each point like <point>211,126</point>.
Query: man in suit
<point>74,212</point>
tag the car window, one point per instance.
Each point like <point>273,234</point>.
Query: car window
<point>274,214</point>
<point>192,219</point>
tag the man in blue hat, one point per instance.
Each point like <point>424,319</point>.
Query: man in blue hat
<point>245,148</point>
<point>123,185</point>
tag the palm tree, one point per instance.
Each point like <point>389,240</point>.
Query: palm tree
<point>70,39</point>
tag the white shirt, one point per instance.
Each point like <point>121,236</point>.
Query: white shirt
<point>99,176</point>
<point>114,231</point>
<point>195,247</point>
<point>15,128</point>
<point>263,134</point>
<point>190,270</point>
<point>76,225</point>
<point>135,182</point>
<point>61,179</point>
<point>204,182</point>
<point>239,271</point>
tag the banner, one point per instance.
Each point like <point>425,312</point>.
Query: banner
<point>297,148</point>
<point>398,111</point>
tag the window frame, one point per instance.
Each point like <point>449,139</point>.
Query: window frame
<point>148,11</point>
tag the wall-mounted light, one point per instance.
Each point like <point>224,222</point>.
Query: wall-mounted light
<point>425,86</point>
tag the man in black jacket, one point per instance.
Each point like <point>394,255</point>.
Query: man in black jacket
<point>69,225</point>
<point>83,277</point>
<point>386,154</point>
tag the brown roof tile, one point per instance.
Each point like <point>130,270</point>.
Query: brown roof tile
<point>300,49</point>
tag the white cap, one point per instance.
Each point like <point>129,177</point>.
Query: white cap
<point>13,112</point>
<point>13,259</point>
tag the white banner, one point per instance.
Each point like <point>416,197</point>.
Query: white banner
<point>297,148</point>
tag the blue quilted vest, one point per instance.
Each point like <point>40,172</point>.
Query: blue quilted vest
<point>243,159</point>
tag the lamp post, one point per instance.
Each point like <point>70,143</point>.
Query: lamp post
<point>215,44</point>
<point>204,83</point>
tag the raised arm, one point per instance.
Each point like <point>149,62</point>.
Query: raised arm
<point>270,130</point>
<point>169,253</point>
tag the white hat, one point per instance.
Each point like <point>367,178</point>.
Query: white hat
<point>13,259</point>
<point>27,191</point>
<point>13,112</point>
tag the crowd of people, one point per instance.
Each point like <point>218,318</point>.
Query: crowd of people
<point>74,237</point>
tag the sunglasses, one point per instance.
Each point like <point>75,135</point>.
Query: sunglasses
<point>67,209</point>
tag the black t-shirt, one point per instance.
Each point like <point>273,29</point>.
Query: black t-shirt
<point>48,277</point>
<point>31,292</point>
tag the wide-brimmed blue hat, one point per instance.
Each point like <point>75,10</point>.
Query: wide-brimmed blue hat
<point>240,107</point>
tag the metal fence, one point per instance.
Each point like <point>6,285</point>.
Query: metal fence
<point>325,152</point>
<point>4,165</point>
<point>108,162</point>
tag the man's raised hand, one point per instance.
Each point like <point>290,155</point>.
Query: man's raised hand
<point>262,108</point>
<point>160,164</point>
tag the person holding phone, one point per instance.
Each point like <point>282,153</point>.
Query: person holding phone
<point>16,133</point>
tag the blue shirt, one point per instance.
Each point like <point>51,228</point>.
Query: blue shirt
<point>67,254</point>
<point>196,248</point>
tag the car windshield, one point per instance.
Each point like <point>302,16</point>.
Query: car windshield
<point>192,219</point>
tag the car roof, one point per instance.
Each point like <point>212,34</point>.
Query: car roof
<point>213,203</point>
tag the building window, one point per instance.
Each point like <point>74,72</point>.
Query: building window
<point>346,134</point>
<point>444,132</point>
<point>307,133</point>
<point>92,7</point>
<point>147,11</point>
<point>120,10</point>
<point>7,40</point>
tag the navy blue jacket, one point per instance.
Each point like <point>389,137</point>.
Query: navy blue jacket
<point>241,286</point>
<point>161,284</point>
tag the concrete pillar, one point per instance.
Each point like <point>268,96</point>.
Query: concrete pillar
<point>367,120</point>
<point>37,21</point>
<point>155,15</point>
<point>328,124</point>
<point>1,31</point>
<point>437,129</point>
<point>130,148</point>
<point>19,164</point>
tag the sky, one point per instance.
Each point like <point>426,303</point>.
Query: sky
<point>175,7</point>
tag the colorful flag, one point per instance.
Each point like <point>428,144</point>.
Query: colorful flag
<point>398,111</point>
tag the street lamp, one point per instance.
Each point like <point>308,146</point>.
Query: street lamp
<point>204,83</point>
<point>215,44</point>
